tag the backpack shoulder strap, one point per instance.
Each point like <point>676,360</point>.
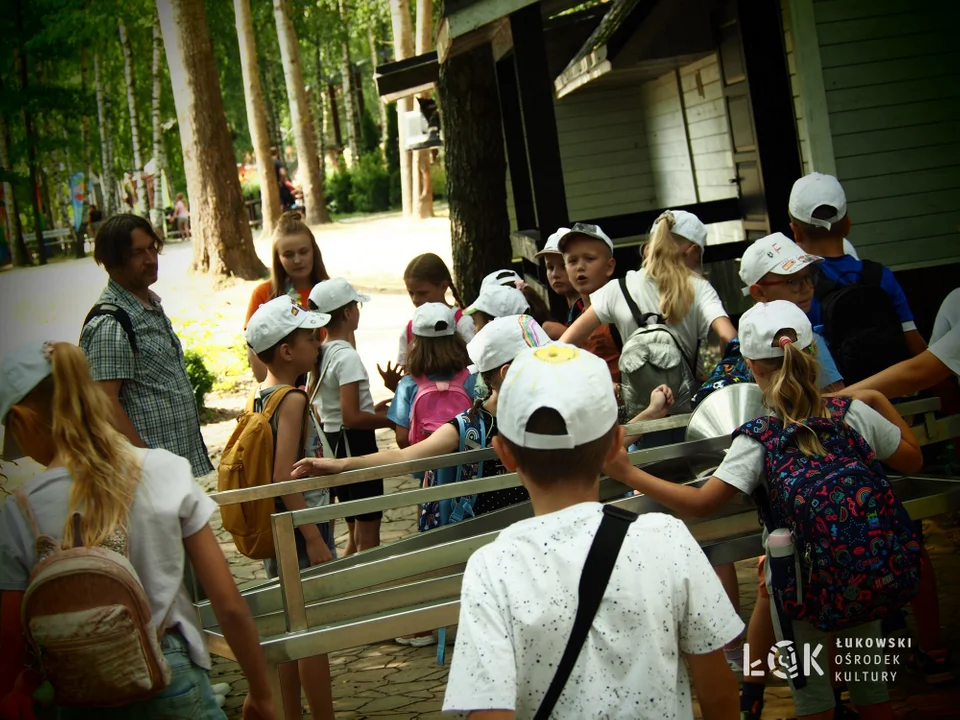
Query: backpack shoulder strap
<point>838,407</point>
<point>872,274</point>
<point>409,332</point>
<point>601,559</point>
<point>118,314</point>
<point>638,317</point>
<point>460,378</point>
<point>272,403</point>
<point>457,315</point>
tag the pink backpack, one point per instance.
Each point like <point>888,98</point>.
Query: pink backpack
<point>436,403</point>
<point>456,318</point>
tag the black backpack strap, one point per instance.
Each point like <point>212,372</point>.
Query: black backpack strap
<point>872,274</point>
<point>118,314</point>
<point>639,317</point>
<point>593,583</point>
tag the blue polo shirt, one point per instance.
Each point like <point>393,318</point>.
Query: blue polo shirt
<point>846,270</point>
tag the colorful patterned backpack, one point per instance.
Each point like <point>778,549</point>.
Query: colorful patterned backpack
<point>859,554</point>
<point>473,436</point>
<point>732,369</point>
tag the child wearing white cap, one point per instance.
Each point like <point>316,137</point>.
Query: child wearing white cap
<point>666,286</point>
<point>140,502</point>
<point>492,351</point>
<point>339,390</point>
<point>520,594</point>
<point>428,280</point>
<point>533,304</point>
<point>556,269</point>
<point>807,434</point>
<point>861,327</point>
<point>496,301</point>
<point>437,355</point>
<point>588,256</point>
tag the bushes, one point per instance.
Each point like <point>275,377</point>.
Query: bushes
<point>371,184</point>
<point>338,189</point>
<point>251,189</point>
<point>201,379</point>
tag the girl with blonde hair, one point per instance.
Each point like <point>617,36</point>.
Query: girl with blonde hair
<point>100,491</point>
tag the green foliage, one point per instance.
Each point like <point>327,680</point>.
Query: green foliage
<point>251,189</point>
<point>339,187</point>
<point>201,379</point>
<point>371,184</point>
<point>438,174</point>
<point>393,140</point>
<point>369,134</point>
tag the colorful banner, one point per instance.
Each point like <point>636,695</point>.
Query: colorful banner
<point>77,190</point>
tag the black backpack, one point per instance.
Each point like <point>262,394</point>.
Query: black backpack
<point>118,314</point>
<point>860,324</point>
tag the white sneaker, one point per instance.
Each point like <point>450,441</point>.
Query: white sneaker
<point>220,691</point>
<point>417,640</point>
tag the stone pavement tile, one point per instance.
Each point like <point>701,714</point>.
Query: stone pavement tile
<point>390,702</point>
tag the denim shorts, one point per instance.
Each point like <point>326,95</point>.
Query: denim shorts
<point>188,696</point>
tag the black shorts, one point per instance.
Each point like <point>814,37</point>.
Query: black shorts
<point>362,442</point>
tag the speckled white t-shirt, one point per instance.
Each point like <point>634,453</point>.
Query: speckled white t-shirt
<point>519,599</point>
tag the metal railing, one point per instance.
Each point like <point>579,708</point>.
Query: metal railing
<point>413,584</point>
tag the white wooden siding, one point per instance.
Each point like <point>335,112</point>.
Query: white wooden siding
<point>891,76</point>
<point>667,142</point>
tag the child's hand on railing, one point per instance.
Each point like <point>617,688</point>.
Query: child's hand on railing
<point>318,466</point>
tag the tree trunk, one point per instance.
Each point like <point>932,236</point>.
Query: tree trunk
<point>107,182</point>
<point>257,117</point>
<point>222,243</point>
<point>320,113</point>
<point>79,249</point>
<point>157,217</point>
<point>476,168</point>
<point>422,183</point>
<point>375,61</point>
<point>11,209</point>
<point>335,117</point>
<point>31,139</point>
<point>349,92</point>
<point>402,49</point>
<point>311,181</point>
<point>273,103</point>
<point>141,191</point>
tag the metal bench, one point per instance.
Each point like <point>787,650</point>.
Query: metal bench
<point>61,238</point>
<point>413,584</point>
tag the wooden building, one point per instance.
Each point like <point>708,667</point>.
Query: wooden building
<point>614,111</point>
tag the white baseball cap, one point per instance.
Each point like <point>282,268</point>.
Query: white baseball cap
<point>760,324</point>
<point>334,294</point>
<point>552,246</point>
<point>564,378</point>
<point>501,340</point>
<point>434,320</point>
<point>500,277</point>
<point>813,191</point>
<point>276,319</point>
<point>21,370</point>
<point>591,231</point>
<point>688,226</point>
<point>499,301</point>
<point>775,253</point>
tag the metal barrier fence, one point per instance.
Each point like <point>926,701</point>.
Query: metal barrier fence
<point>413,584</point>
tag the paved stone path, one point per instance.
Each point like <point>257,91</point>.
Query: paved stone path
<point>393,681</point>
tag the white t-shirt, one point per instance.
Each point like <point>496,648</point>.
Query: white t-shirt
<point>168,506</point>
<point>340,364</point>
<point>948,316</point>
<point>519,599</point>
<point>611,307</point>
<point>947,349</point>
<point>743,465</point>
<point>465,328</point>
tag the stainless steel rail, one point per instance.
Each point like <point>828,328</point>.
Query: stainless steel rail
<point>413,584</point>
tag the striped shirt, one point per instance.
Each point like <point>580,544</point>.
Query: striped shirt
<point>156,393</point>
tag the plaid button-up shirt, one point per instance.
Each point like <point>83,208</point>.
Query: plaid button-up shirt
<point>156,392</point>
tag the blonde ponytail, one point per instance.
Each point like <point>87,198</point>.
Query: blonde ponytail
<point>793,393</point>
<point>99,459</point>
<point>664,264</point>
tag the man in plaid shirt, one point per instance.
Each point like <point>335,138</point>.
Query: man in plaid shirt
<point>143,374</point>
